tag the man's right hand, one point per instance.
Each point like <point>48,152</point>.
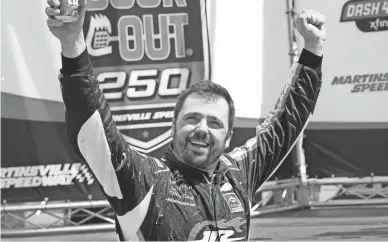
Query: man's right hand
<point>69,34</point>
<point>311,25</point>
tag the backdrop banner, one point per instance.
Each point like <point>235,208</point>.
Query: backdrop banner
<point>144,54</point>
<point>348,133</point>
<point>355,71</point>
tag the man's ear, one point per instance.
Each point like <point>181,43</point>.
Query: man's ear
<point>228,138</point>
<point>173,128</point>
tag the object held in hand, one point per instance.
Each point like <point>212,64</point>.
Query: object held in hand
<point>69,11</point>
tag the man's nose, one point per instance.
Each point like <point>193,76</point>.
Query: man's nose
<point>202,128</point>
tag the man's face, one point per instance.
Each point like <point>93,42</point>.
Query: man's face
<point>200,132</point>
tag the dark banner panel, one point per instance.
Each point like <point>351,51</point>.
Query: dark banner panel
<point>37,162</point>
<point>346,153</point>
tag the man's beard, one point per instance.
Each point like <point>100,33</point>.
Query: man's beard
<point>181,148</point>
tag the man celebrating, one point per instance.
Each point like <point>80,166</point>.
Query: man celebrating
<point>196,191</point>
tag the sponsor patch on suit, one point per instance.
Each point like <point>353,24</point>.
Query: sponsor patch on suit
<point>233,202</point>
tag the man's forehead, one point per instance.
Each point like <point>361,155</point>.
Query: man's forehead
<point>206,104</point>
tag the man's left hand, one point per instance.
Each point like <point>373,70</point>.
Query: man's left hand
<point>310,25</point>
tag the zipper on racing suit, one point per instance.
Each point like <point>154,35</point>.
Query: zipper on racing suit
<point>213,195</point>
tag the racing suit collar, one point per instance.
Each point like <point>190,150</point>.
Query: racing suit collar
<point>188,170</point>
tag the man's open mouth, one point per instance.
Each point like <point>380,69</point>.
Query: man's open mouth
<point>199,143</point>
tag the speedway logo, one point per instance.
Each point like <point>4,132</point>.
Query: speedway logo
<point>45,175</point>
<point>376,82</point>
<point>369,15</point>
<point>145,53</point>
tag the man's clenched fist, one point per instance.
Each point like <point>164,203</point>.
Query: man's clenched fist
<point>311,25</point>
<point>69,34</point>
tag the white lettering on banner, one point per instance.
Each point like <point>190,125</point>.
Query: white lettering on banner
<point>385,7</point>
<point>134,82</point>
<point>127,117</point>
<point>136,34</point>
<point>45,175</point>
<point>132,117</point>
<point>98,5</point>
<point>366,9</point>
<point>164,87</point>
<point>143,83</point>
<point>163,114</point>
<point>37,181</point>
<point>72,2</point>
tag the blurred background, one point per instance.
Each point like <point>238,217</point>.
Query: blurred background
<point>332,186</point>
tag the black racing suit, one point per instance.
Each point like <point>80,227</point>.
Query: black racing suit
<point>164,198</point>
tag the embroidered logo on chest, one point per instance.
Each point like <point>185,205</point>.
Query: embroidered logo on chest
<point>185,198</point>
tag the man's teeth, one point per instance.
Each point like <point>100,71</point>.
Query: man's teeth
<point>199,143</point>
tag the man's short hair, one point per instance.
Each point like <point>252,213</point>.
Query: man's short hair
<point>210,91</point>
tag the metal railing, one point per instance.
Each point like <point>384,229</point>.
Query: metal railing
<point>371,191</point>
<point>277,196</point>
<point>272,197</point>
<point>63,216</point>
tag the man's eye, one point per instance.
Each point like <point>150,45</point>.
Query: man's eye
<point>191,119</point>
<point>215,124</point>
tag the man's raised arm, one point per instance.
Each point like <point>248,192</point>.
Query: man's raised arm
<point>125,176</point>
<point>277,134</point>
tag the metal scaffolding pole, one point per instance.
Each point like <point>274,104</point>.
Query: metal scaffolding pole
<point>300,163</point>
<point>293,47</point>
<point>293,53</point>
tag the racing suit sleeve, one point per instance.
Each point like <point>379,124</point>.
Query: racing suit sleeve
<point>259,158</point>
<point>125,176</point>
